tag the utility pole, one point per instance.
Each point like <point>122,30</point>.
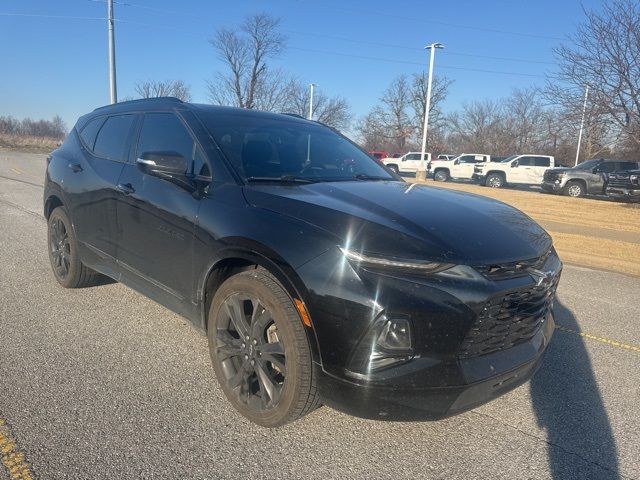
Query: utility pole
<point>112,54</point>
<point>422,173</point>
<point>584,110</point>
<point>312,85</point>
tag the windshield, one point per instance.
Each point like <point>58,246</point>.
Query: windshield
<point>508,159</point>
<point>264,148</point>
<point>588,165</point>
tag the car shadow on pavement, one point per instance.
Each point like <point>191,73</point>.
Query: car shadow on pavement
<point>568,405</point>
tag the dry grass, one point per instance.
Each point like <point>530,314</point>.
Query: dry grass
<point>25,143</point>
<point>589,232</point>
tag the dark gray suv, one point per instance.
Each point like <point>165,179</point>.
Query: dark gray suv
<point>588,177</point>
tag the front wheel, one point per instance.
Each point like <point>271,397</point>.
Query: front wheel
<point>574,189</point>
<point>441,176</point>
<point>494,180</point>
<point>259,350</point>
<point>394,169</point>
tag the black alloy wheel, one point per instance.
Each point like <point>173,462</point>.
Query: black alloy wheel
<point>259,349</point>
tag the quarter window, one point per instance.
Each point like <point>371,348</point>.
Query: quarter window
<point>112,138</point>
<point>90,130</point>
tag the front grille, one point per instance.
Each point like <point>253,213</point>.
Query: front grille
<point>620,180</point>
<point>509,319</point>
<point>502,271</point>
<point>550,176</point>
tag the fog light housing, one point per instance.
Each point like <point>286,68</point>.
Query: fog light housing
<point>389,341</point>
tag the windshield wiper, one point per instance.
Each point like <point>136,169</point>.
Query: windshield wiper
<point>364,176</point>
<point>282,179</point>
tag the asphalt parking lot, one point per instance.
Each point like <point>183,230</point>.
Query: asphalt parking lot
<point>103,383</point>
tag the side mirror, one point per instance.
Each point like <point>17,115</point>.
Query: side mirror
<point>162,163</point>
<point>456,162</point>
<point>514,164</point>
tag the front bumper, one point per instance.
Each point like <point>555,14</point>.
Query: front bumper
<point>478,177</point>
<point>619,192</point>
<point>484,379</point>
<point>552,187</point>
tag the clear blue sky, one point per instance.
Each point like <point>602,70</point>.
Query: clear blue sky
<point>354,49</point>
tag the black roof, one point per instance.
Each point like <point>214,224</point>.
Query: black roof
<point>175,103</point>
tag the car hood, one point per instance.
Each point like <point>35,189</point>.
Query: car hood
<point>404,220</point>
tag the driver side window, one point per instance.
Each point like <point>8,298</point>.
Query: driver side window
<point>165,132</point>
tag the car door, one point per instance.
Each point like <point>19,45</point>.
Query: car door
<point>156,217</point>
<point>540,165</point>
<point>520,171</point>
<point>411,162</point>
<point>464,167</point>
<point>91,188</point>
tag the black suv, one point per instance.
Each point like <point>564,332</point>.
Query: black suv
<point>318,275</point>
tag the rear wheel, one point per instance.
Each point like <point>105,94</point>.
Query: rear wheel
<point>67,267</point>
<point>259,350</point>
<point>441,176</point>
<point>494,180</point>
<point>574,189</point>
<point>394,168</point>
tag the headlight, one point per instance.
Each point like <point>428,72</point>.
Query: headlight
<point>393,263</point>
<point>635,179</point>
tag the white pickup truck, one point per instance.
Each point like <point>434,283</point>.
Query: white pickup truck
<point>459,167</point>
<point>516,169</point>
<point>408,163</point>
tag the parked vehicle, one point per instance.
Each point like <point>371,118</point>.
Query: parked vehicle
<point>378,155</point>
<point>516,169</point>
<point>408,163</point>
<point>446,157</point>
<point>460,167</point>
<point>624,185</point>
<point>318,276</point>
<point>588,177</point>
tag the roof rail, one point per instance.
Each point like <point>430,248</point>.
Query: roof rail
<point>142,100</point>
<point>293,115</point>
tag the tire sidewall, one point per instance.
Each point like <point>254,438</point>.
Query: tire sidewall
<point>440,176</point>
<point>286,319</point>
<point>575,184</point>
<point>491,184</point>
<point>74,260</point>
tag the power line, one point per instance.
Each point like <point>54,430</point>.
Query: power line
<point>407,62</point>
<point>42,15</point>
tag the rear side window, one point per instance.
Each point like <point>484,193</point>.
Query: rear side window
<point>90,130</point>
<point>542,162</point>
<point>628,166</point>
<point>112,138</point>
<point>165,132</point>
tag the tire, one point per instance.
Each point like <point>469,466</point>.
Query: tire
<point>494,180</point>
<point>67,267</point>
<point>574,189</point>
<point>441,175</point>
<point>259,350</point>
<point>394,168</point>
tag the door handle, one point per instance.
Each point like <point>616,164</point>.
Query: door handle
<point>75,167</point>
<point>125,188</point>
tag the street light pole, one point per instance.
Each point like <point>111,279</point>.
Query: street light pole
<point>112,54</point>
<point>311,101</point>
<point>584,110</point>
<point>422,173</point>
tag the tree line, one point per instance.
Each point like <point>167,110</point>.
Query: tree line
<point>54,128</point>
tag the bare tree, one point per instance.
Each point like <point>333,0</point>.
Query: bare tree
<point>248,81</point>
<point>476,128</point>
<point>332,111</point>
<point>167,88</point>
<point>605,55</point>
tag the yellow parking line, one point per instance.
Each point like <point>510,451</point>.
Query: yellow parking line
<point>16,170</point>
<point>12,456</point>
<point>608,341</point>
